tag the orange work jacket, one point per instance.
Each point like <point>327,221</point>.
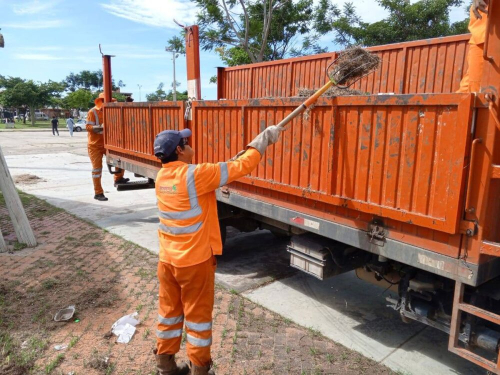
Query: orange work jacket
<point>477,28</point>
<point>189,227</point>
<point>95,117</point>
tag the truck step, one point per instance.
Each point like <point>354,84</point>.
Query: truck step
<point>136,185</point>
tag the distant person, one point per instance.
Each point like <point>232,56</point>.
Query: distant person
<point>55,123</point>
<point>70,123</point>
<point>471,81</point>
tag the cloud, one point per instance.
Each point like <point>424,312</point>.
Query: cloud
<point>42,48</point>
<point>33,7</point>
<point>36,56</point>
<point>46,24</point>
<point>157,13</point>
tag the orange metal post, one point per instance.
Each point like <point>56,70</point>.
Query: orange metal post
<point>220,83</point>
<point>106,77</point>
<point>193,62</point>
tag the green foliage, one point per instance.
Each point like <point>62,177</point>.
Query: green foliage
<point>406,21</point>
<point>157,96</point>
<point>80,99</point>
<point>176,43</point>
<point>24,94</point>
<point>88,80</point>
<point>247,31</point>
<point>160,94</point>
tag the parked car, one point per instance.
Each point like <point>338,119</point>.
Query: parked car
<point>38,116</point>
<point>79,126</point>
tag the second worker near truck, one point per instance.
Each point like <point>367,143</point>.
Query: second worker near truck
<point>471,81</point>
<point>96,150</point>
<point>190,239</point>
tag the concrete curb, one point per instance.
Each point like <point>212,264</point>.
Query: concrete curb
<point>31,130</point>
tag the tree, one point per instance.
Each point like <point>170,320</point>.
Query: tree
<point>179,95</point>
<point>157,96</point>
<point>88,80</point>
<point>406,21</point>
<point>246,31</point>
<point>176,44</point>
<point>19,93</point>
<point>80,99</point>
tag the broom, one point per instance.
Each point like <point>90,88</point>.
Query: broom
<point>352,64</point>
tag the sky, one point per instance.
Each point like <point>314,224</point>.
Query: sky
<point>49,39</point>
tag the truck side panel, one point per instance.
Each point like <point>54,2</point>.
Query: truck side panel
<point>397,157</point>
<point>424,66</point>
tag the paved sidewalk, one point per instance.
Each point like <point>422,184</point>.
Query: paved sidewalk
<point>106,277</point>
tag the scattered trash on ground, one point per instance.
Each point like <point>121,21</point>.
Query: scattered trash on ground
<point>64,314</point>
<point>61,346</point>
<point>124,328</point>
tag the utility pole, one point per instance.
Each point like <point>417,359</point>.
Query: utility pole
<point>140,97</point>
<point>175,55</point>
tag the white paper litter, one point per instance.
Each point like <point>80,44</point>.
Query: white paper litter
<point>60,347</point>
<point>124,328</point>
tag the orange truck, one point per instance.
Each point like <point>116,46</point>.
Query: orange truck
<point>401,185</point>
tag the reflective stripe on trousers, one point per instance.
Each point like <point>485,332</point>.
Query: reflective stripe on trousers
<point>169,333</point>
<point>199,327</point>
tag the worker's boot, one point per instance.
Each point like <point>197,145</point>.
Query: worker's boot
<point>122,180</point>
<point>166,365</point>
<point>100,197</point>
<point>201,370</point>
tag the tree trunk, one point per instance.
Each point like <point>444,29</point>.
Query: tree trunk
<point>32,114</point>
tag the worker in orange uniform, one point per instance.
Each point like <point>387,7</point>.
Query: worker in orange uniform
<point>471,81</point>
<point>94,126</point>
<point>189,241</point>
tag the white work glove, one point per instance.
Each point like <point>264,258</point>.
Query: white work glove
<point>269,136</point>
<point>479,5</point>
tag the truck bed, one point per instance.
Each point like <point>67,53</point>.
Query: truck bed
<point>386,173</point>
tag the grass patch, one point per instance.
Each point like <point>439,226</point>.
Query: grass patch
<point>18,246</point>
<point>146,274</point>
<point>20,359</point>
<point>54,363</point>
<point>38,125</point>
<point>49,283</point>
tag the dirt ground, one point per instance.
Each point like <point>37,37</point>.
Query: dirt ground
<point>106,277</point>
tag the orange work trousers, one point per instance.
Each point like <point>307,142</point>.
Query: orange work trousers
<point>96,154</point>
<point>471,81</point>
<point>186,298</point>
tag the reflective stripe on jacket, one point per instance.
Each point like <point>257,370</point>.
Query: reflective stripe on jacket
<point>189,227</point>
<point>94,117</point>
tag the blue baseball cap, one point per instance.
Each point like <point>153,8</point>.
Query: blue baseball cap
<point>167,141</point>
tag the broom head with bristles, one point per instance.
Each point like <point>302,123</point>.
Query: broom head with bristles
<point>352,64</point>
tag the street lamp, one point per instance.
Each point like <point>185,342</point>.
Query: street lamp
<point>2,42</point>
<point>175,55</point>
<point>140,97</point>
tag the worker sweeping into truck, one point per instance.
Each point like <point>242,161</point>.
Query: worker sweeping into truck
<point>189,241</point>
<point>96,150</point>
<point>471,81</point>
